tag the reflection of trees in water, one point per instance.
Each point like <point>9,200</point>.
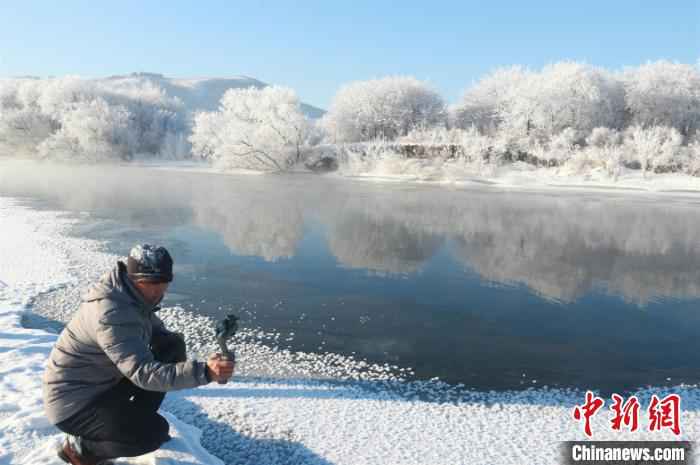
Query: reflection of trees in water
<point>560,248</point>
<point>380,244</point>
<point>542,269</point>
<point>563,248</point>
<point>270,237</point>
<point>253,216</point>
<point>268,226</point>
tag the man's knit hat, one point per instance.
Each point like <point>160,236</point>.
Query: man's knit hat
<point>150,263</point>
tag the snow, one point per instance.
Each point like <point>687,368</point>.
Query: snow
<point>198,94</point>
<point>274,419</point>
<point>33,261</point>
<point>515,176</point>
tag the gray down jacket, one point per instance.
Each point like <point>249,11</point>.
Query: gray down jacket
<point>106,340</point>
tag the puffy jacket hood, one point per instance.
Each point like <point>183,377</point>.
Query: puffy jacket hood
<point>116,286</point>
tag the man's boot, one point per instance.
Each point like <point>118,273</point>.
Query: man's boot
<point>71,452</point>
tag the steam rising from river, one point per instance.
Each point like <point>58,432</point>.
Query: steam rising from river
<point>561,247</point>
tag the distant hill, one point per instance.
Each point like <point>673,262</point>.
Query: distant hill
<point>203,93</point>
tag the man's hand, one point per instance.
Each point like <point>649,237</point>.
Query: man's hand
<point>219,369</point>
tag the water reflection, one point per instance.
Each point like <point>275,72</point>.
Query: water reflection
<point>560,247</point>
<point>384,245</point>
<point>269,225</point>
<point>406,274</point>
<point>565,248</point>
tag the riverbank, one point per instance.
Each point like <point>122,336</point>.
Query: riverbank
<point>514,177</point>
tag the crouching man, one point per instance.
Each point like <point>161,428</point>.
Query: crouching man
<point>109,371</point>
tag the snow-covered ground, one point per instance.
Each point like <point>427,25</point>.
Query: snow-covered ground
<point>276,420</point>
<point>35,258</point>
<point>518,176</point>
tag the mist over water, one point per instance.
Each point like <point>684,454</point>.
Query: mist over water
<point>489,288</point>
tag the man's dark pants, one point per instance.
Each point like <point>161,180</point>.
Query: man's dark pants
<point>124,421</point>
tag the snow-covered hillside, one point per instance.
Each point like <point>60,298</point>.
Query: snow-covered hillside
<point>197,94</point>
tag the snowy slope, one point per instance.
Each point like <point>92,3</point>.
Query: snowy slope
<point>198,94</point>
<point>274,421</point>
<point>33,261</point>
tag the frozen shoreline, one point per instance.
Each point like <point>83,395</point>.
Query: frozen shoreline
<point>255,420</point>
<point>518,176</point>
<point>513,178</point>
<point>523,177</point>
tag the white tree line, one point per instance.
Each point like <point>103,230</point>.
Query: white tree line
<point>566,113</point>
<point>74,118</point>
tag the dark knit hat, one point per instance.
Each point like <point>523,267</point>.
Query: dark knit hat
<point>150,263</point>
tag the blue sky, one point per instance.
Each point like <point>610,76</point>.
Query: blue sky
<point>314,47</point>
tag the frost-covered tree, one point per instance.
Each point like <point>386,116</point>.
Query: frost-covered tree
<point>571,95</point>
<point>653,147</point>
<point>383,108</point>
<point>21,130</point>
<point>91,130</point>
<point>692,156</point>
<point>486,103</point>
<point>664,94</point>
<point>604,148</point>
<point>43,116</point>
<point>262,129</point>
<point>154,117</point>
<point>56,97</point>
<point>565,95</point>
<point>22,124</point>
<point>604,137</point>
